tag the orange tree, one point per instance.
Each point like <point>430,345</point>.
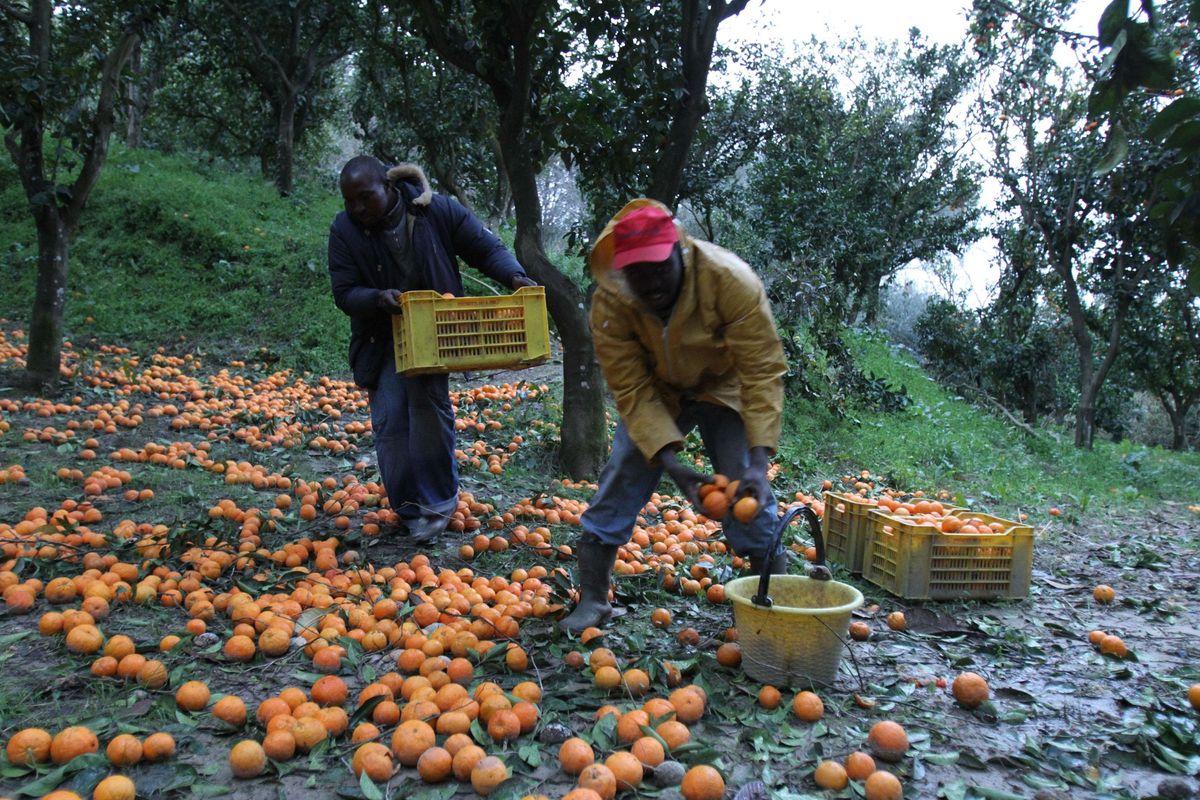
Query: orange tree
<point>58,104</point>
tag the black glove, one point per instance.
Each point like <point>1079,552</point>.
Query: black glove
<point>389,300</point>
<point>521,281</point>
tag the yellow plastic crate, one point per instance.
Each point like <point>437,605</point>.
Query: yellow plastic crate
<point>436,335</point>
<point>846,531</point>
<point>919,562</point>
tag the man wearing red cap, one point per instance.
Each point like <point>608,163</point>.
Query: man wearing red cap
<point>686,339</point>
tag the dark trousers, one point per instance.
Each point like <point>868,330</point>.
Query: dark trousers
<point>413,423</point>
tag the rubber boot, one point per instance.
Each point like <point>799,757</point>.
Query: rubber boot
<point>426,530</point>
<point>594,571</point>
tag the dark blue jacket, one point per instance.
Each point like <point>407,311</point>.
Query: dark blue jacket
<point>442,230</point>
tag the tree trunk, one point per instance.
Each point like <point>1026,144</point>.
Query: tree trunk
<point>46,322</point>
<point>133,101</point>
<point>285,145</point>
<point>1178,412</point>
<point>698,35</point>
<point>583,447</point>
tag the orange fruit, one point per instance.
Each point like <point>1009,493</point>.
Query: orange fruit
<point>72,742</point>
<point>859,765</point>
<point>626,769</point>
<point>193,696</point>
<point>660,618</point>
<point>158,747</point>
<point>888,740</point>
<point>607,678</point>
<point>1104,594</point>
<point>84,639</point>
<point>488,773</point>
<point>648,751</point>
<point>970,690</point>
<point>674,733</point>
<point>412,738</point>
<point>769,697</point>
<point>129,666</point>
<point>269,708</point>
<point>465,760</point>
<point>1113,646</point>
<point>629,726</point>
<point>600,779</point>
<point>860,631</point>
<point>574,755</point>
<point>602,657</point>
<point>516,659</point>
<point>636,682</point>
<point>1194,695</point>
<point>882,785</point>
<point>729,654</point>
<point>435,765</point>
<point>744,510</point>
<point>830,775</point>
<point>504,726</point>
<point>715,505</point>
<point>377,764</point>
<point>1095,637</point>
<point>308,733</point>
<point>29,746</point>
<point>115,787</point>
<point>896,621</point>
<point>124,750</point>
<point>362,751</point>
<point>280,745</point>
<point>703,782</point>
<point>119,646</point>
<point>689,704</point>
<point>231,710</point>
<point>247,759</point>
<point>808,707</point>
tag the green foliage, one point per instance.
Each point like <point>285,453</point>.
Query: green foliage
<point>169,246</point>
<point>852,184</point>
<point>413,106</point>
<point>941,441</point>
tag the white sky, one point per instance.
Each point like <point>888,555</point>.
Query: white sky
<point>942,21</point>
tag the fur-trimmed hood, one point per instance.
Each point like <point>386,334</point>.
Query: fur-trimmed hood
<point>414,176</point>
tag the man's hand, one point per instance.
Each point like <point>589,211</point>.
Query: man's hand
<point>688,480</point>
<point>389,300</point>
<point>522,281</point>
<point>754,480</point>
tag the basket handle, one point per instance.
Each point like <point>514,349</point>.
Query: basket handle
<point>817,571</point>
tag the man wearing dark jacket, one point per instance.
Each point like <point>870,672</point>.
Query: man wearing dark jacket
<point>395,236</point>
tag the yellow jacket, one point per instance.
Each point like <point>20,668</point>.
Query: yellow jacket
<point>719,346</point>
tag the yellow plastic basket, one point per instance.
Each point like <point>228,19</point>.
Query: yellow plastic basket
<point>436,335</point>
<point>846,530</point>
<point>798,640</point>
<point>920,562</point>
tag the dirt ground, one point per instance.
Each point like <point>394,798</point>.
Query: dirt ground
<point>1063,720</point>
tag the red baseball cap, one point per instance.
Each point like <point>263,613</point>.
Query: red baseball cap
<point>644,234</point>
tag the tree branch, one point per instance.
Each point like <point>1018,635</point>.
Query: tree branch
<point>102,124</point>
<point>1043,27</point>
<point>261,47</point>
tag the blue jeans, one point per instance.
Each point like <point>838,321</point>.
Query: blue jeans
<point>413,423</point>
<point>628,480</point>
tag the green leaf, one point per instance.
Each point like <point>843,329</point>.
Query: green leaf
<point>531,754</point>
<point>369,789</point>
<point>365,710</point>
<point>1118,148</point>
<point>1112,21</point>
<point>940,759</point>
